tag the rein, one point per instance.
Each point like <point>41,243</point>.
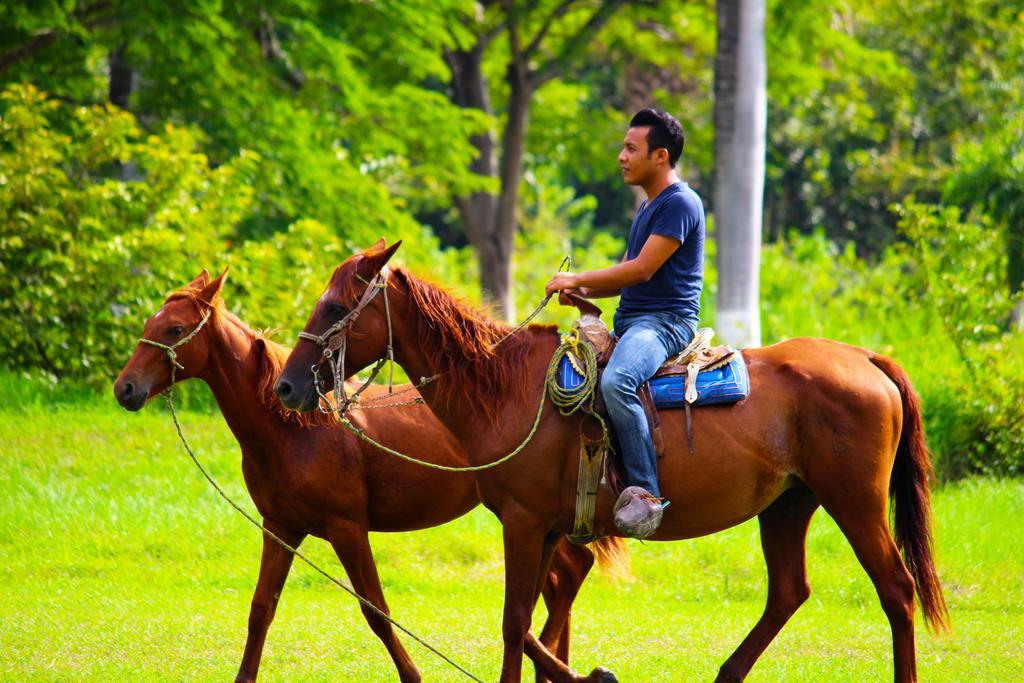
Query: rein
<point>334,341</point>
<point>172,357</point>
<point>567,404</point>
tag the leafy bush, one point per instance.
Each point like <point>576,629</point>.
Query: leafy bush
<point>937,304</point>
<point>85,249</point>
<point>980,407</point>
<point>99,221</point>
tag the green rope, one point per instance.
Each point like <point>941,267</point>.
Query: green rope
<point>582,397</point>
<point>568,401</point>
<point>447,468</point>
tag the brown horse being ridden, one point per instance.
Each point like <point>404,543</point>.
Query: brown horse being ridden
<point>308,476</point>
<point>825,424</point>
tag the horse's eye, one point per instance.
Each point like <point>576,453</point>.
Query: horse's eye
<point>336,310</point>
<point>177,330</point>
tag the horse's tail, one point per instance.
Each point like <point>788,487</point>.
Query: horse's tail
<point>612,555</point>
<point>911,500</point>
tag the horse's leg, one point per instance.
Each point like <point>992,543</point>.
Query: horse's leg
<point>569,569</point>
<point>274,566</point>
<point>553,567</point>
<point>864,522</point>
<point>527,558</point>
<point>352,546</point>
<point>784,526</point>
<point>859,502</point>
<point>524,565</point>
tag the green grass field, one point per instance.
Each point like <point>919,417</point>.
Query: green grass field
<point>120,563</point>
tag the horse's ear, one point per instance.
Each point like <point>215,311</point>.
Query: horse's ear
<point>389,252</point>
<point>212,289</point>
<point>373,260</point>
<point>200,280</point>
<point>379,246</point>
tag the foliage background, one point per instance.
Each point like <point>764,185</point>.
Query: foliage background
<point>144,140</point>
<point>139,144</point>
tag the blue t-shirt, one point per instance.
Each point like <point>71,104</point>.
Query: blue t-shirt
<point>675,287</point>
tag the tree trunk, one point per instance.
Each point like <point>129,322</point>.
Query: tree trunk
<point>514,143</point>
<point>123,81</point>
<point>490,221</point>
<point>1015,266</point>
<point>740,122</point>
<point>469,90</point>
<point>123,78</point>
<point>1017,317</point>
<point>478,212</point>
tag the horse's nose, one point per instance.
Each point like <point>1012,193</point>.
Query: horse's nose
<point>129,395</point>
<point>284,389</point>
<point>125,394</point>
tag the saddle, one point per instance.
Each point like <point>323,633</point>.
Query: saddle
<point>697,357</point>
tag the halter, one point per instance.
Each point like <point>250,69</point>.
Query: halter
<point>334,342</point>
<point>168,394</point>
<point>170,350</point>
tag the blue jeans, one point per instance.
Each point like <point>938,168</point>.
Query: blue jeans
<point>647,341</point>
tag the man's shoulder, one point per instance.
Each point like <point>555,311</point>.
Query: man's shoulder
<point>685,197</point>
<point>683,202</point>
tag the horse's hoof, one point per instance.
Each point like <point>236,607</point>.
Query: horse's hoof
<point>602,675</point>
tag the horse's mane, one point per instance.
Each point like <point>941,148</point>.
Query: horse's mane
<point>270,361</point>
<point>458,340</point>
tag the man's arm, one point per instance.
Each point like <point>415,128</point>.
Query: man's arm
<point>591,292</point>
<point>610,281</point>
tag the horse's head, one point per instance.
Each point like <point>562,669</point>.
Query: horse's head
<point>148,371</point>
<point>350,309</point>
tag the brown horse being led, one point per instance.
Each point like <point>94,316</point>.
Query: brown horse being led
<point>308,476</point>
<point>825,424</point>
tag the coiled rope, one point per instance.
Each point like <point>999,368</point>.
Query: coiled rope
<point>581,397</point>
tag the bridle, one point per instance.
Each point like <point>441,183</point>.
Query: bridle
<point>334,342</point>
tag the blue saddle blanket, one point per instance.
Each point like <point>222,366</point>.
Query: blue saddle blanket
<point>725,384</point>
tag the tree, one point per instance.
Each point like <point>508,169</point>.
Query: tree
<point>339,98</point>
<point>989,178</point>
<point>740,122</point>
<point>542,41</point>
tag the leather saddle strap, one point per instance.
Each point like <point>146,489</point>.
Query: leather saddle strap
<point>689,427</point>
<point>592,456</point>
<point>653,419</point>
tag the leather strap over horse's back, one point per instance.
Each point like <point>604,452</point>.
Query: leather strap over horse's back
<point>653,419</point>
<point>592,329</point>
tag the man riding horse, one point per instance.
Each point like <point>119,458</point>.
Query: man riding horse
<point>659,279</point>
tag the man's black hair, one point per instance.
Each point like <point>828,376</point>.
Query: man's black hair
<point>664,131</point>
